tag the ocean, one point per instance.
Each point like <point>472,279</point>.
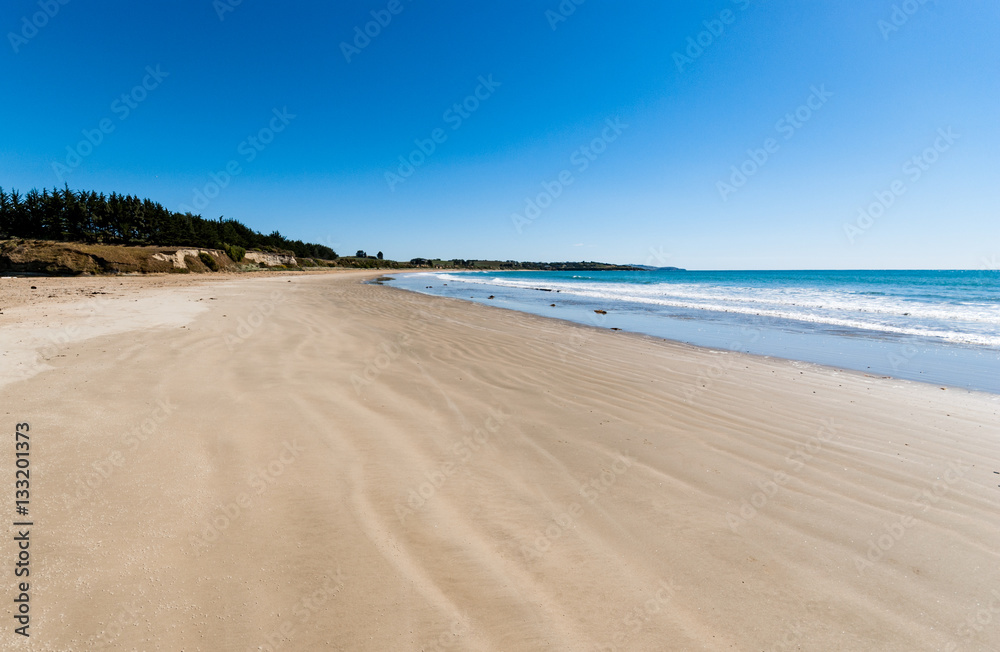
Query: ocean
<point>939,327</point>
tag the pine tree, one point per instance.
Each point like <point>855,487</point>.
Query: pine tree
<point>63,215</point>
<point>4,215</point>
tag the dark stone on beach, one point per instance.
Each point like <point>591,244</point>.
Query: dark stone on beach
<point>615,329</point>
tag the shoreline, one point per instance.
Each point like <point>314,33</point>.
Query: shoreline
<point>695,348</point>
<point>957,366</point>
<point>366,469</point>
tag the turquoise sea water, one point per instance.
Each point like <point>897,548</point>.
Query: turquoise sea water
<point>934,326</point>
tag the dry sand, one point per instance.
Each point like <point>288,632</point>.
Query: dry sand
<point>304,462</point>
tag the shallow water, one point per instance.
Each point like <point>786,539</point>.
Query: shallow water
<point>935,326</point>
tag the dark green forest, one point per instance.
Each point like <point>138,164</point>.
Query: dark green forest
<point>69,216</point>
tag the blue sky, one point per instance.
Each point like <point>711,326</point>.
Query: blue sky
<point>839,187</point>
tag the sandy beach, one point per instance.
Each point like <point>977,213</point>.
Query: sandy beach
<point>307,462</point>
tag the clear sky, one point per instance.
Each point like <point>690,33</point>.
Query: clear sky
<point>621,121</point>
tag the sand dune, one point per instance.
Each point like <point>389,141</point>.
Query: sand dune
<point>306,462</point>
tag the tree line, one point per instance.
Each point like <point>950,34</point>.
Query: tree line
<point>68,216</point>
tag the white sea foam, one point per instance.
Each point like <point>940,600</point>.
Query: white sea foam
<point>976,323</point>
